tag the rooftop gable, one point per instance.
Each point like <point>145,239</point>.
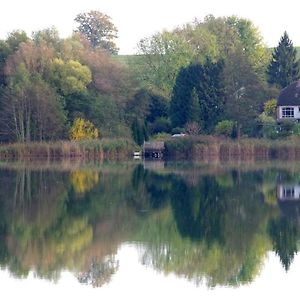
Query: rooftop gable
<point>290,95</point>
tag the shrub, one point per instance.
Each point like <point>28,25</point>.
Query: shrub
<point>83,130</point>
<point>139,132</point>
<point>268,126</point>
<point>192,128</point>
<point>177,130</point>
<point>286,128</point>
<point>270,107</point>
<point>296,129</point>
<point>161,125</point>
<point>225,127</point>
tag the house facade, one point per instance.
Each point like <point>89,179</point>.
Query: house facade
<point>288,103</point>
<point>288,192</point>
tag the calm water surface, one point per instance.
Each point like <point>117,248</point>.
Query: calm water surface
<point>152,230</point>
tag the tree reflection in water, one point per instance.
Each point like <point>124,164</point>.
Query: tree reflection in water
<point>213,226</point>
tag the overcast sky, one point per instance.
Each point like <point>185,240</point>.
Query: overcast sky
<point>136,19</point>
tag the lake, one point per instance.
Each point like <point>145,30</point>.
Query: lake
<point>149,230</point>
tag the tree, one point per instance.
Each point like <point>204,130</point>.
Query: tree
<point>163,55</point>
<point>251,40</point>
<point>245,93</point>
<point>16,38</point>
<point>98,29</point>
<point>31,110</point>
<point>284,68</point>
<point>49,36</point>
<point>83,130</point>
<point>139,132</point>
<point>270,108</point>
<point>69,77</point>
<point>284,233</point>
<point>202,83</point>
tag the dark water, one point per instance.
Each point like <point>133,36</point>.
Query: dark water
<point>152,230</point>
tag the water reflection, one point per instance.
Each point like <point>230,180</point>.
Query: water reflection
<point>213,225</point>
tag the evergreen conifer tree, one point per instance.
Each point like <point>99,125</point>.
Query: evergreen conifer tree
<point>198,96</point>
<point>284,67</point>
<point>139,132</point>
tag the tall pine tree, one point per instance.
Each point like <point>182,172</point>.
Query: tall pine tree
<point>198,96</point>
<point>284,67</point>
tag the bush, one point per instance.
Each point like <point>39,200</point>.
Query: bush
<point>226,128</point>
<point>268,126</point>
<point>192,128</point>
<point>296,129</point>
<point>177,130</point>
<point>286,128</point>
<point>161,125</point>
<point>139,132</point>
<point>83,130</point>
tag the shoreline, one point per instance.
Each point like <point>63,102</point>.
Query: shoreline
<point>200,148</point>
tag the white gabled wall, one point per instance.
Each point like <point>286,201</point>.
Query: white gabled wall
<point>296,112</point>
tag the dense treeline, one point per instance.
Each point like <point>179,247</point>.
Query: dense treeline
<point>217,77</point>
<point>210,76</point>
<point>47,82</point>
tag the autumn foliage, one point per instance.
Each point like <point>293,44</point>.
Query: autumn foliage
<point>83,130</point>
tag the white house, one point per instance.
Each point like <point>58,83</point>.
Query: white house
<point>287,192</point>
<point>288,103</point>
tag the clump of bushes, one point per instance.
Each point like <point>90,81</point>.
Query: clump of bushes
<point>83,130</point>
<point>226,128</point>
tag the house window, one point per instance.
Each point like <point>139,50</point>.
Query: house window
<point>288,192</point>
<point>288,112</point>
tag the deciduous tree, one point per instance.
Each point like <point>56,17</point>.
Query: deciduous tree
<point>98,29</point>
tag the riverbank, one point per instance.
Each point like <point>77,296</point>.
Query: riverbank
<point>214,148</point>
<point>201,148</point>
<point>93,149</point>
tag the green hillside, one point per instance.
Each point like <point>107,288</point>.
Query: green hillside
<point>136,60</point>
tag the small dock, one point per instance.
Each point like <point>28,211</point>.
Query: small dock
<point>153,150</point>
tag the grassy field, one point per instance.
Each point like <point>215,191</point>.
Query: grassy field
<point>136,60</point>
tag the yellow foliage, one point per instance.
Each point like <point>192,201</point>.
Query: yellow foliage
<point>84,181</point>
<point>83,130</point>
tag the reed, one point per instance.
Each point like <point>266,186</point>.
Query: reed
<point>214,148</point>
<point>89,149</point>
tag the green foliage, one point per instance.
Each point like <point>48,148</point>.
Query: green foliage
<point>270,108</point>
<point>161,125</point>
<point>284,67</point>
<point>286,128</point>
<point>284,234</point>
<point>139,132</point>
<point>252,43</point>
<point>296,129</point>
<point>83,130</point>
<point>225,127</point>
<point>69,77</point>
<point>98,30</point>
<point>269,125</point>
<point>15,39</point>
<point>197,96</point>
<point>49,36</point>
<point>178,130</point>
<point>164,54</point>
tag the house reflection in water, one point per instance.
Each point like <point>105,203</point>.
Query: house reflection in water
<point>288,197</point>
<point>288,192</point>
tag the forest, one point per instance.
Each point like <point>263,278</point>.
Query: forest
<point>213,77</point>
